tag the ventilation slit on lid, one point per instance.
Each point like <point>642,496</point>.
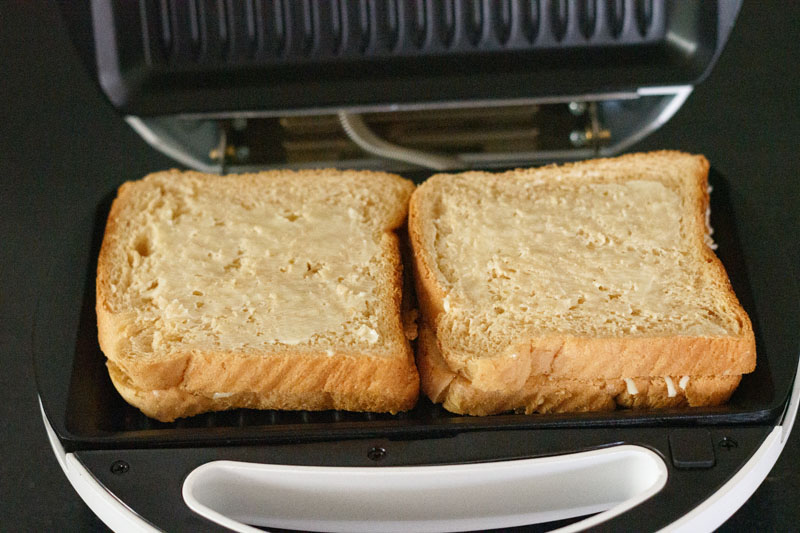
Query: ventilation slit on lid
<point>503,19</point>
<point>336,16</point>
<point>167,27</point>
<point>445,21</point>
<point>616,16</point>
<point>587,16</point>
<point>223,27</point>
<point>253,41</point>
<point>385,21</point>
<point>473,20</point>
<point>393,22</point>
<point>418,22</point>
<point>364,24</point>
<point>185,30</point>
<point>644,15</point>
<point>280,25</point>
<point>266,26</point>
<point>530,19</point>
<point>259,28</point>
<point>308,14</point>
<point>559,18</point>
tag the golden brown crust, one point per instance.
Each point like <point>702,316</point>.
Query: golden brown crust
<point>606,358</point>
<point>184,382</point>
<point>547,394</point>
<point>285,381</point>
<point>585,357</point>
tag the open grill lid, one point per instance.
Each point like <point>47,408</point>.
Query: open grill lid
<point>161,57</point>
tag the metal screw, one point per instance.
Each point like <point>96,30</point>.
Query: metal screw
<point>239,123</point>
<point>578,138</point>
<point>728,443</point>
<point>119,467</point>
<point>376,453</point>
<point>577,108</point>
<point>242,153</point>
<point>584,138</point>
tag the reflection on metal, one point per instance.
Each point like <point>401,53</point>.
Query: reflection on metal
<point>633,120</point>
<point>450,136</point>
<point>594,134</point>
<point>358,132</point>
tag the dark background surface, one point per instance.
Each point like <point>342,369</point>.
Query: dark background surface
<point>63,148</point>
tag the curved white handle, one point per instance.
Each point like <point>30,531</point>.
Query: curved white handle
<point>427,498</point>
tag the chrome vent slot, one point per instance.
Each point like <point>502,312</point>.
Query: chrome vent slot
<point>474,19</point>
<point>273,23</point>
<point>587,17</point>
<point>228,33</point>
<point>531,18</point>
<point>415,14</point>
<point>386,21</point>
<point>445,21</point>
<point>559,18</point>
<point>644,16</point>
<point>502,14</point>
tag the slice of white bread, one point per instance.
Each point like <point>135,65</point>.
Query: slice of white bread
<point>546,394</point>
<point>599,270</point>
<point>276,290</point>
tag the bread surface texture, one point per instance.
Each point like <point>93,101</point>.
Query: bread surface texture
<point>276,290</point>
<point>597,270</point>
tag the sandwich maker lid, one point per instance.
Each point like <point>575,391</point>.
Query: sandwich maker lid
<point>164,58</point>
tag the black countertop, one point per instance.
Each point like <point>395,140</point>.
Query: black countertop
<point>63,147</point>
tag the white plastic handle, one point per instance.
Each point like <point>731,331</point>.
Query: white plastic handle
<point>428,498</point>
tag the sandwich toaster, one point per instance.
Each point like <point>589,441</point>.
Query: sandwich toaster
<point>412,87</point>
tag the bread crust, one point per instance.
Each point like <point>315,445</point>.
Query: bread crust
<point>583,358</point>
<point>430,294</point>
<point>185,382</point>
<point>222,381</point>
<point>541,393</point>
